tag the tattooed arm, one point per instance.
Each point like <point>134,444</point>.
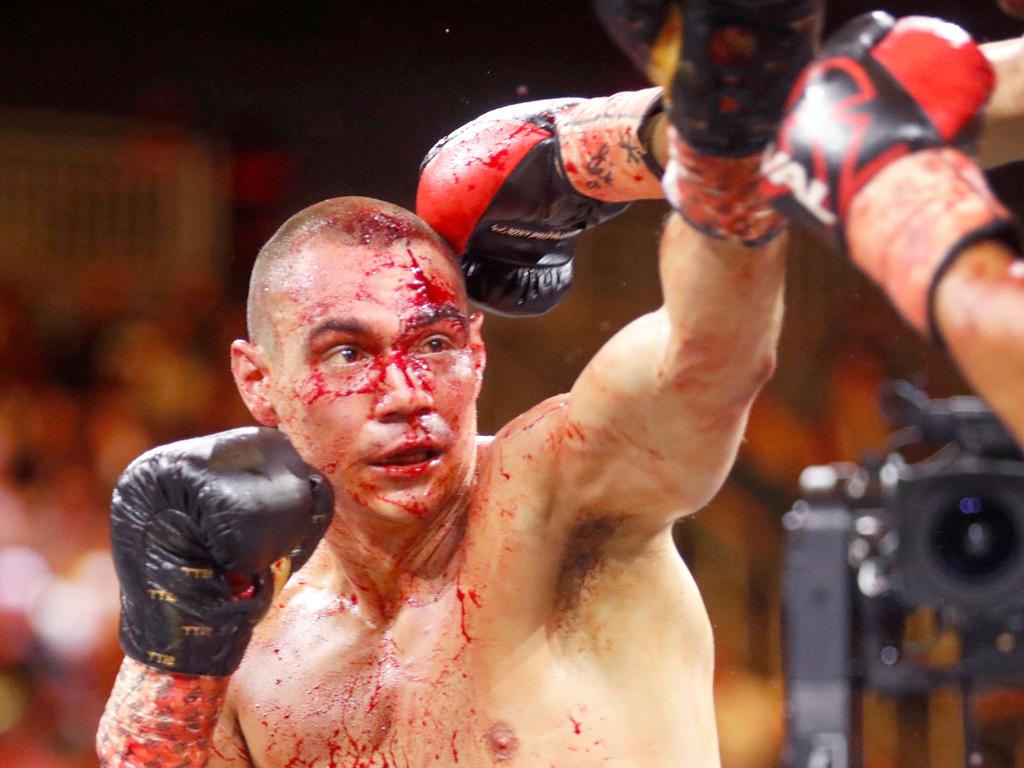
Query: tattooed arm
<point>164,720</point>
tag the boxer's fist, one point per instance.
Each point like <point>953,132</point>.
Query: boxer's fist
<point>898,103</point>
<point>512,190</point>
<point>727,66</point>
<point>881,90</point>
<point>199,529</point>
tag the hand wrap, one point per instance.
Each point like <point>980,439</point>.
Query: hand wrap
<point>727,67</point>
<point>512,191</point>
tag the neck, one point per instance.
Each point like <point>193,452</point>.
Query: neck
<point>389,563</point>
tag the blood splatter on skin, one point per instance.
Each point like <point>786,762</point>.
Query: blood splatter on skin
<point>401,291</point>
<point>163,719</point>
<point>461,597</point>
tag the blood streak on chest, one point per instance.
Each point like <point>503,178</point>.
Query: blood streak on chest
<point>471,595</point>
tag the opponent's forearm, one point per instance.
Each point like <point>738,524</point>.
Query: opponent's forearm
<point>160,719</point>
<point>1002,136</point>
<point>979,309</point>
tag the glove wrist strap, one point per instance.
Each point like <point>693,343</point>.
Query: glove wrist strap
<point>720,196</point>
<point>605,146</point>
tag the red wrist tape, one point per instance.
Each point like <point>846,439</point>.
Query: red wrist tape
<point>914,217</point>
<point>720,196</point>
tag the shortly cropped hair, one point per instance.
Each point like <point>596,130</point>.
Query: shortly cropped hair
<point>344,220</point>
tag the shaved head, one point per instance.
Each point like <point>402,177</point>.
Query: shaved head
<point>339,221</point>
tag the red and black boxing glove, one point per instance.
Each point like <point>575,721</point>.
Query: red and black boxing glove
<point>875,154</point>
<point>512,191</point>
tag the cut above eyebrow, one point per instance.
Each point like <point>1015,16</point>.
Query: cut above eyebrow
<point>429,315</point>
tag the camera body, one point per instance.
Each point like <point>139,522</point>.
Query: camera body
<point>869,545</point>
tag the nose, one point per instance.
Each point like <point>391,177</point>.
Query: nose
<point>404,392</point>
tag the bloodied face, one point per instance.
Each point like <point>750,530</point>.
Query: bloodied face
<point>375,369</point>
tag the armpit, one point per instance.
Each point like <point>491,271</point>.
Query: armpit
<point>583,556</point>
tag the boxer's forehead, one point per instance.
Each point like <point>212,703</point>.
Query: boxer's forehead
<point>405,279</point>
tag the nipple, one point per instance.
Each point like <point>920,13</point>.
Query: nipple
<point>501,741</point>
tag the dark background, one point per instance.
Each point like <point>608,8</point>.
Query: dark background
<point>357,92</point>
<point>318,99</point>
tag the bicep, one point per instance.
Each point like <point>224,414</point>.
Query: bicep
<point>655,421</point>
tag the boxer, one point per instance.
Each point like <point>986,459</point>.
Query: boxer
<point>474,601</point>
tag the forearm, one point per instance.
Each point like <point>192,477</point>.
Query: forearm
<point>1002,137</point>
<point>156,718</point>
<point>724,306</point>
<point>979,309</point>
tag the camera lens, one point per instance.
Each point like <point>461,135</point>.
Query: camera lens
<point>974,536</point>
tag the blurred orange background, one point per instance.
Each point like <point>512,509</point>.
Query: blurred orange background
<point>145,156</point>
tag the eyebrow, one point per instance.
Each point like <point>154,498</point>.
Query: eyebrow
<point>431,315</point>
<point>337,325</point>
<point>424,317</point>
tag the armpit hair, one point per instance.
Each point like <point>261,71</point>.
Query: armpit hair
<point>584,553</point>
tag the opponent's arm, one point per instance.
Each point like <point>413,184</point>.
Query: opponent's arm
<point>1002,135</point>
<point>512,190</point>
<point>979,310</point>
<point>202,532</point>
<point>898,189</point>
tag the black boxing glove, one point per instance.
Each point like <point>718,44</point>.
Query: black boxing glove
<point>875,154</point>
<point>512,191</point>
<point>727,67</point>
<point>199,529</point>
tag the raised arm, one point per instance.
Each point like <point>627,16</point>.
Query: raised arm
<point>1002,136</point>
<point>654,421</point>
<point>202,531</point>
<point>657,417</point>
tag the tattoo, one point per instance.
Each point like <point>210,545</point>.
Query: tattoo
<point>597,166</point>
<point>159,719</point>
<point>634,152</point>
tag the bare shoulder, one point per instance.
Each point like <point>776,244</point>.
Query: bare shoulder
<point>518,462</point>
<point>307,626</point>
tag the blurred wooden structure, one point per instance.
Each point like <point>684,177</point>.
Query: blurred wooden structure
<point>79,191</point>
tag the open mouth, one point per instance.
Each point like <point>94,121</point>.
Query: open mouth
<point>409,457</point>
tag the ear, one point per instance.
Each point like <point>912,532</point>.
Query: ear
<point>476,345</point>
<point>252,377</point>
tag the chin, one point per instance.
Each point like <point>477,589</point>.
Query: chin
<point>404,499</point>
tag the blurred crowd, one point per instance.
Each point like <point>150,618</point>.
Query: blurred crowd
<point>83,390</point>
